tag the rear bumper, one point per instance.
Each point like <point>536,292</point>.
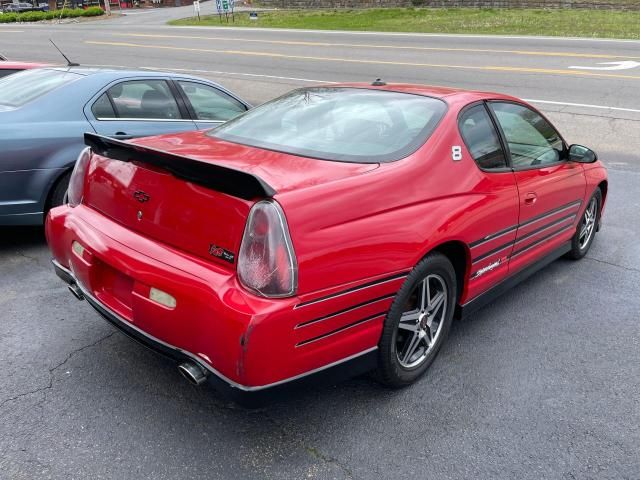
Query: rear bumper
<point>345,368</point>
<point>247,343</point>
<point>137,334</point>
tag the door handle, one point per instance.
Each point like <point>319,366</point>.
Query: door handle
<point>530,198</point>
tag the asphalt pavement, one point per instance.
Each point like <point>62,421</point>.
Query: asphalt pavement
<point>542,383</point>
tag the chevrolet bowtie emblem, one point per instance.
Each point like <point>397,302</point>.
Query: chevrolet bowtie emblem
<point>141,196</point>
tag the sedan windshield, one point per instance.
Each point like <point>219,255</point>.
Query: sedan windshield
<point>18,89</point>
<point>341,124</point>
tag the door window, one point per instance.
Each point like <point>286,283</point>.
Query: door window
<point>532,141</point>
<point>481,139</point>
<point>211,104</point>
<point>138,99</point>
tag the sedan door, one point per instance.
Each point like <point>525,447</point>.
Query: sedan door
<point>138,108</point>
<point>551,188</point>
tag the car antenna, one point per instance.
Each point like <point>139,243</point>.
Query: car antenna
<point>69,62</point>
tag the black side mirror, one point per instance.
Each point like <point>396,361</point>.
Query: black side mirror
<point>580,154</point>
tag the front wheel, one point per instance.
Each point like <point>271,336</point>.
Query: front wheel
<point>586,231</point>
<point>418,322</point>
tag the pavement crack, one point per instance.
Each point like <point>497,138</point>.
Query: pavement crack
<point>328,459</point>
<point>313,451</point>
<point>53,369</point>
<point>630,269</point>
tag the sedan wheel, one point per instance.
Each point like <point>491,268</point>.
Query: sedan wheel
<point>418,321</point>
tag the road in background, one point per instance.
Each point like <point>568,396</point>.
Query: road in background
<point>543,383</point>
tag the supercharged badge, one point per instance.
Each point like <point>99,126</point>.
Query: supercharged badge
<point>220,252</point>
<point>486,269</point>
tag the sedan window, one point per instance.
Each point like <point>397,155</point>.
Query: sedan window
<point>211,104</point>
<point>532,141</point>
<point>141,100</point>
<point>339,123</point>
<point>481,139</point>
<point>102,108</point>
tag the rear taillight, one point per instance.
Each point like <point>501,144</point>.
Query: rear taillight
<point>266,262</point>
<point>76,183</point>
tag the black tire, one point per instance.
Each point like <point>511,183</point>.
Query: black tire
<point>59,191</point>
<point>391,372</point>
<point>579,247</point>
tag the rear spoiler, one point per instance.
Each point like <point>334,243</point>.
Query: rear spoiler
<point>223,179</point>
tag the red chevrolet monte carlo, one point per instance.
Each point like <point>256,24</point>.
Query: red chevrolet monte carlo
<point>328,226</point>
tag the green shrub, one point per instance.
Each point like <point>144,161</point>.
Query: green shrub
<point>8,17</point>
<point>93,12</point>
<point>31,16</point>
<point>51,15</point>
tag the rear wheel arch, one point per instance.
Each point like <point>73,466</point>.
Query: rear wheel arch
<point>457,252</point>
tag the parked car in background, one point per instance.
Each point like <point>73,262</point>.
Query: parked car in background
<point>9,68</point>
<point>23,7</point>
<point>332,225</point>
<point>45,112</point>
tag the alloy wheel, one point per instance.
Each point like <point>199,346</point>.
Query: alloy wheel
<point>587,227</point>
<point>421,324</point>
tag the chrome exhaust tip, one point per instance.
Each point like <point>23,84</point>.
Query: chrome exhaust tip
<point>75,289</point>
<point>194,372</point>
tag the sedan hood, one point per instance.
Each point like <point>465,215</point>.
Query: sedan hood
<point>282,171</point>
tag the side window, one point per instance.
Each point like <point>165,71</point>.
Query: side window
<point>144,99</point>
<point>209,103</point>
<point>102,108</point>
<point>481,138</point>
<point>531,139</point>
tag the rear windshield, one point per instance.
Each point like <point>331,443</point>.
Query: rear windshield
<point>341,124</point>
<point>23,87</point>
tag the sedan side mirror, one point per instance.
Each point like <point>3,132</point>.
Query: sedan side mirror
<point>580,154</point>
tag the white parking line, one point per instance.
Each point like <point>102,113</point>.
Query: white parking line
<point>191,70</point>
<point>585,105</point>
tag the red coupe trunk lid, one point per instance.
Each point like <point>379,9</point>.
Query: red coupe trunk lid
<point>282,171</point>
<point>193,217</point>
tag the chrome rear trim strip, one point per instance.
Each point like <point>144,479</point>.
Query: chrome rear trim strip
<point>354,289</point>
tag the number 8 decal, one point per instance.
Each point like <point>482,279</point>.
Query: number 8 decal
<point>456,153</point>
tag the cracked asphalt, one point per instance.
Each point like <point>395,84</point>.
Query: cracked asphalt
<point>542,383</point>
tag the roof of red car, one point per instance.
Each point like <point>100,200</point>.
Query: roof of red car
<point>428,90</point>
<point>10,65</point>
